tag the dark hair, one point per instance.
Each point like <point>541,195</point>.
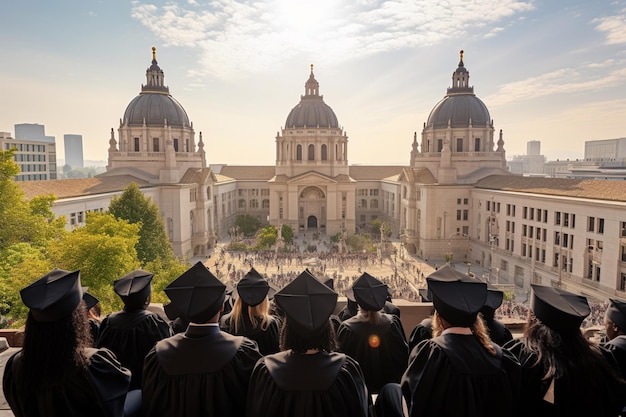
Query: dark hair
<point>54,349</point>
<point>566,353</point>
<point>324,340</point>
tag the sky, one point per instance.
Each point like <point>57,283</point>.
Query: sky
<point>549,70</point>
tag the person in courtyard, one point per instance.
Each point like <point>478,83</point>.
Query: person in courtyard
<point>203,371</point>
<point>57,373</point>
<point>308,378</point>
<point>133,331</point>
<point>564,374</point>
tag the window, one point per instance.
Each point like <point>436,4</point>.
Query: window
<point>458,214</point>
<point>524,212</point>
<point>476,144</point>
<point>459,144</point>
<point>299,153</point>
<point>266,204</point>
<point>241,204</point>
<point>591,223</point>
<point>311,153</point>
<point>622,282</point>
<point>363,203</point>
<point>532,214</point>
<point>601,226</point>
<point>374,204</point>
<point>565,219</point>
<point>465,201</point>
<point>324,153</point>
<point>192,195</point>
<point>175,145</point>
<point>155,144</point>
<point>439,145</point>
<point>254,203</point>
<point>136,144</point>
<point>465,214</point>
<point>557,218</point>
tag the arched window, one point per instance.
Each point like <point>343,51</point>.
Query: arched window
<point>254,203</point>
<point>241,204</point>
<point>374,204</point>
<point>324,153</point>
<point>299,153</point>
<point>363,203</point>
<point>311,155</point>
<point>266,204</point>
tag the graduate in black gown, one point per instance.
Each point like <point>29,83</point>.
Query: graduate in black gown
<point>203,371</point>
<point>460,372</point>
<point>351,308</point>
<point>615,325</point>
<point>250,315</point>
<point>498,333</point>
<point>376,340</point>
<point>563,374</point>
<point>92,304</point>
<point>57,373</point>
<point>307,379</point>
<point>132,332</point>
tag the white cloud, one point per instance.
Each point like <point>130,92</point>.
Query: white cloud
<point>562,81</point>
<point>614,27</point>
<point>237,37</point>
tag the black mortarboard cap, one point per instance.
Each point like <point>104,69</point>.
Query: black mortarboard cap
<point>349,293</point>
<point>425,294</point>
<point>197,294</point>
<point>253,288</point>
<point>134,288</point>
<point>370,293</point>
<point>171,311</point>
<point>330,283</point>
<point>558,309</point>
<point>307,303</point>
<point>457,297</point>
<point>617,313</point>
<point>494,298</point>
<point>53,296</point>
<point>89,299</point>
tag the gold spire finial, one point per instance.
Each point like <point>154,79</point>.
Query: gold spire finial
<point>461,54</point>
<point>153,53</point>
<point>311,67</point>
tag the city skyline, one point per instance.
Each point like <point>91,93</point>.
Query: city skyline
<point>547,71</point>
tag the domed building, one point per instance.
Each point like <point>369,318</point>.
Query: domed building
<point>156,140</point>
<point>312,188</point>
<point>456,150</point>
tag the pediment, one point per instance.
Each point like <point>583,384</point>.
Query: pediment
<point>313,178</point>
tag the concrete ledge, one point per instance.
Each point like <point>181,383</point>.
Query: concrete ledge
<point>4,344</point>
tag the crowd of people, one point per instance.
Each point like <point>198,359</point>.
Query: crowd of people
<point>253,344</point>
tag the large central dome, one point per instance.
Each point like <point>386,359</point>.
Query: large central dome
<point>312,112</point>
<point>460,107</point>
<point>154,106</point>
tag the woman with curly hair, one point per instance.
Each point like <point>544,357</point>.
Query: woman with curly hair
<point>57,373</point>
<point>564,374</point>
<point>251,316</point>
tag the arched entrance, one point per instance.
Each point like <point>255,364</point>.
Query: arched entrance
<point>311,222</point>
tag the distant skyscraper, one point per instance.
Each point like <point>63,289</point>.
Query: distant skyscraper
<point>32,131</point>
<point>73,150</point>
<point>605,149</point>
<point>533,147</point>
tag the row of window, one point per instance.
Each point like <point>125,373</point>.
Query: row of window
<point>156,145</point>
<point>79,216</point>
<point>363,192</point>
<point>362,204</point>
<point>25,147</point>
<point>33,167</point>
<point>459,145</point>
<point>253,192</point>
<point>253,204</point>
<point>33,177</point>
<point>21,157</point>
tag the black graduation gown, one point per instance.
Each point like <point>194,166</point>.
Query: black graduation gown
<point>572,396</point>
<point>130,334</point>
<point>202,372</point>
<point>382,359</point>
<point>617,347</point>
<point>423,331</point>
<point>100,391</point>
<point>94,330</point>
<point>453,375</point>
<point>498,333</point>
<point>267,340</point>
<point>323,384</point>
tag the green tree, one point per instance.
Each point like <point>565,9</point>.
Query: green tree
<point>248,225</point>
<point>19,220</point>
<point>20,265</point>
<point>286,232</point>
<point>103,250</point>
<point>266,237</point>
<point>136,208</point>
